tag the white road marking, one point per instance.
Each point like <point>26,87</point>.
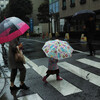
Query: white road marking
<point>1,60</point>
<point>64,87</point>
<point>97,56</point>
<point>81,52</point>
<point>90,62</point>
<point>38,41</point>
<point>26,66</point>
<point>31,97</point>
<point>93,78</point>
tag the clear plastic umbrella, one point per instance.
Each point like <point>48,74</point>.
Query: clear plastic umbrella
<point>12,28</point>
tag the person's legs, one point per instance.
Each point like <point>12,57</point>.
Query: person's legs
<point>58,77</point>
<point>91,46</point>
<point>89,43</point>
<point>13,75</point>
<point>12,79</point>
<point>45,77</point>
<point>22,78</point>
<point>22,75</point>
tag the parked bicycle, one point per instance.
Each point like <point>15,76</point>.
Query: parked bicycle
<point>2,80</point>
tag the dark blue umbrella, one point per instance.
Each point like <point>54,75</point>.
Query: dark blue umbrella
<point>83,14</point>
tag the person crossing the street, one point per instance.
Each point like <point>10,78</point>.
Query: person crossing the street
<point>52,69</point>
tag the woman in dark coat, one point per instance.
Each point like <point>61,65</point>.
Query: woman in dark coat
<point>90,28</point>
<point>15,66</point>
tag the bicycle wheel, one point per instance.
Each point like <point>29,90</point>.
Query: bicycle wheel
<point>2,81</point>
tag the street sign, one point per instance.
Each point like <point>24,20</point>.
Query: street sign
<point>31,25</point>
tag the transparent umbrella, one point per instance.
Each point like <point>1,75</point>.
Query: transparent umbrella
<point>12,28</point>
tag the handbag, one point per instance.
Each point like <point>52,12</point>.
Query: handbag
<point>19,57</point>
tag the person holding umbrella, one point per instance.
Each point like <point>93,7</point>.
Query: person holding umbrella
<point>14,65</point>
<point>56,50</point>
<point>90,28</point>
<point>52,69</point>
<point>10,29</point>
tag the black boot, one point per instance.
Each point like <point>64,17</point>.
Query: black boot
<point>14,88</point>
<point>24,87</point>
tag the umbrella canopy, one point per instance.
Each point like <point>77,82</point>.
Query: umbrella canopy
<point>57,49</point>
<point>12,28</point>
<point>83,14</point>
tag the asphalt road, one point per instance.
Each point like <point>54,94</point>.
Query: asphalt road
<point>33,47</point>
<point>81,75</point>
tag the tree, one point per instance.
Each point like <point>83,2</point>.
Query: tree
<point>20,8</point>
<point>43,15</point>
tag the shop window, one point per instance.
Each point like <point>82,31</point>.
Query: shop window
<point>82,1</point>
<point>63,4</point>
<point>72,3</point>
<point>50,1</point>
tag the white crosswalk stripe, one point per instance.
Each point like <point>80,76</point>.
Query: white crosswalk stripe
<point>97,56</point>
<point>30,97</point>
<point>64,87</point>
<point>90,62</point>
<point>93,78</point>
<point>26,66</point>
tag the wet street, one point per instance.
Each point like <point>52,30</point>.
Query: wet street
<point>33,47</point>
<point>80,73</point>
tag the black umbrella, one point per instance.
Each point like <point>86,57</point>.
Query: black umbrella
<point>83,14</point>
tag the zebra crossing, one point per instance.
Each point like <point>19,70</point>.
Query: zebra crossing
<point>30,97</point>
<point>64,87</point>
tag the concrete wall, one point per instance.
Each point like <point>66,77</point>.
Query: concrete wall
<point>41,28</point>
<point>90,5</point>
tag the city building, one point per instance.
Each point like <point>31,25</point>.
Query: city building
<point>3,4</point>
<point>54,12</point>
<point>36,4</point>
<point>67,8</point>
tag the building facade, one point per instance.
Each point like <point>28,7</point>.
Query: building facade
<point>67,8</point>
<point>54,12</point>
<point>36,4</point>
<point>3,4</point>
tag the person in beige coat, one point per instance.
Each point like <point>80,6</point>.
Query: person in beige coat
<point>16,66</point>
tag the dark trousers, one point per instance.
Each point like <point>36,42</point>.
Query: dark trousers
<point>90,46</point>
<point>57,74</point>
<point>14,73</point>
